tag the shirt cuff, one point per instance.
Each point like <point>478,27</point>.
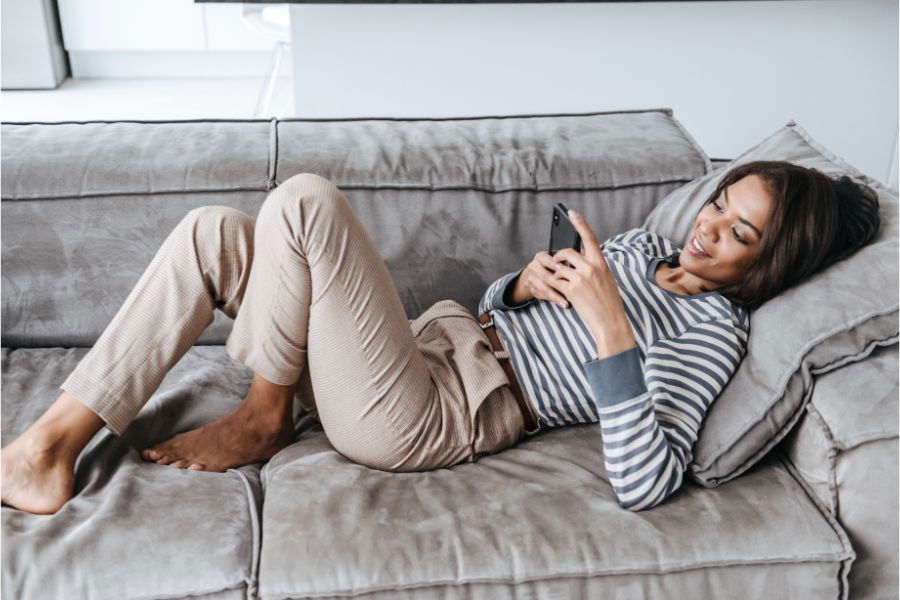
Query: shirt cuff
<point>508,281</point>
<point>616,378</point>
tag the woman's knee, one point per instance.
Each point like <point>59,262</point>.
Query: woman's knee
<point>219,220</point>
<point>216,229</point>
<point>307,187</point>
<point>307,179</point>
<point>215,213</point>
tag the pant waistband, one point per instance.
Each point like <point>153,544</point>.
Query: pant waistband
<point>529,414</point>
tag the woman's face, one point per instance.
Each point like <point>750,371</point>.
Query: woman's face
<point>729,229</point>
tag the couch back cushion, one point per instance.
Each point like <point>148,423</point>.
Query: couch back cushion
<point>836,317</point>
<point>451,204</point>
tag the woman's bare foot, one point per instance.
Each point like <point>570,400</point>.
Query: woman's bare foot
<point>38,468</point>
<point>253,432</point>
<point>37,478</point>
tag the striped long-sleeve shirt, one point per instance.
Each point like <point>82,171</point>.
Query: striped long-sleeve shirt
<point>650,400</point>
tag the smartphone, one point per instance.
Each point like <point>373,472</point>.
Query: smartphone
<point>562,233</point>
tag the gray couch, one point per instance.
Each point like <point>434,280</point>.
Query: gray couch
<point>452,204</point>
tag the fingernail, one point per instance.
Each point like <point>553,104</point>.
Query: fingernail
<point>572,213</point>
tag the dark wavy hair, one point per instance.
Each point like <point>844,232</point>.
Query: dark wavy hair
<point>816,221</point>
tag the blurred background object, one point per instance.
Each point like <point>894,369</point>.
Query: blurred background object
<point>273,21</point>
<point>32,51</point>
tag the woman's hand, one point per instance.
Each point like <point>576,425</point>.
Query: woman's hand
<point>591,287</point>
<point>536,279</point>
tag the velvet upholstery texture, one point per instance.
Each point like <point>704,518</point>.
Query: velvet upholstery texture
<point>537,520</point>
<point>134,529</point>
<point>451,204</point>
<point>846,447</point>
<point>836,317</point>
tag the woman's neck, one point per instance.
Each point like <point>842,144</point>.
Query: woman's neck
<point>676,279</point>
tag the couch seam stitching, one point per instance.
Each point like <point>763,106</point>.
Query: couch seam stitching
<point>830,455</point>
<point>256,550</point>
<point>833,523</point>
<point>582,187</point>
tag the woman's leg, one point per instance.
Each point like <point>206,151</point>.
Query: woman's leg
<point>203,264</point>
<point>38,467</point>
<point>316,279</point>
<point>321,297</point>
<point>320,308</point>
<point>320,302</point>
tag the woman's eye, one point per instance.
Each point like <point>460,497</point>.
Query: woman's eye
<point>736,236</point>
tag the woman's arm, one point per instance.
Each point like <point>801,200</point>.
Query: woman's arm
<point>516,293</point>
<point>501,295</point>
<point>650,417</point>
<point>521,288</point>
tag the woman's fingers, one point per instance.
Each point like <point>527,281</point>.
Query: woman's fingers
<point>551,294</point>
<point>590,244</point>
<point>572,256</point>
<point>540,279</point>
<point>547,261</point>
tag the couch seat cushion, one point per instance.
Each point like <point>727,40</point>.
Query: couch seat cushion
<point>134,529</point>
<point>536,520</point>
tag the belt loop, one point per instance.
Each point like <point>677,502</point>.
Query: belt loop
<point>485,321</point>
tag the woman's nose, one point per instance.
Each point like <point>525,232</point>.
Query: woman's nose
<point>712,228</point>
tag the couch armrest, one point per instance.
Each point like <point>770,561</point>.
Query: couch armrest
<point>846,447</point>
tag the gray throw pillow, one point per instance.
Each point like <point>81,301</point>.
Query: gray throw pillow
<point>836,317</point>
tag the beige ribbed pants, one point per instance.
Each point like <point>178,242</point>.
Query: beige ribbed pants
<point>310,297</point>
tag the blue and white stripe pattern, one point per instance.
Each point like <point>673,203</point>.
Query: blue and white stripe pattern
<point>650,400</point>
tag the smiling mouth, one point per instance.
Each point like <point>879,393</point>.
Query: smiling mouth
<point>696,249</point>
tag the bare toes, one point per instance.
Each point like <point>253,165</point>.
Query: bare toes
<point>181,463</point>
<point>165,459</point>
<point>151,454</point>
<point>197,467</point>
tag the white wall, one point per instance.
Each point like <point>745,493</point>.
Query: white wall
<point>733,72</point>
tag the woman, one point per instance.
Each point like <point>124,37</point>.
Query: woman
<point>318,306</point>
